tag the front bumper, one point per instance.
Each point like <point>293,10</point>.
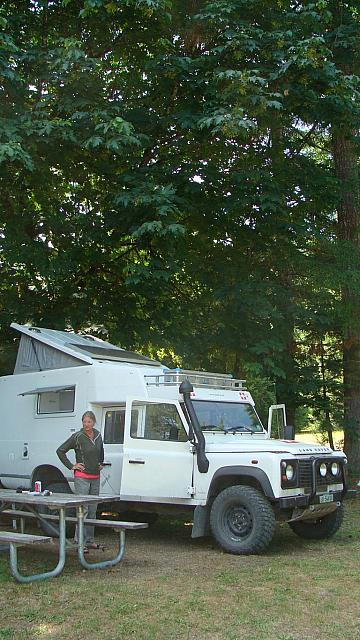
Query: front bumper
<point>301,501</point>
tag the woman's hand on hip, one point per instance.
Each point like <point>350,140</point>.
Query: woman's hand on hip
<point>78,466</point>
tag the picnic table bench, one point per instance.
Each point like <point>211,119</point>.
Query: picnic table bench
<point>59,502</point>
<point>114,524</point>
<point>22,538</point>
<point>16,540</point>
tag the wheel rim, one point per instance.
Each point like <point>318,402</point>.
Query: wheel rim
<point>239,521</point>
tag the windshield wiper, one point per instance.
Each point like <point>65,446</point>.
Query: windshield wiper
<point>211,427</point>
<point>239,427</point>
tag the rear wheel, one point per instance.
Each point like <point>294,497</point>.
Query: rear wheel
<point>320,529</point>
<point>242,520</point>
<point>51,527</point>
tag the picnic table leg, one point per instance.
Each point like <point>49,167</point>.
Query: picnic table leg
<point>104,563</point>
<point>53,529</point>
<point>47,574</point>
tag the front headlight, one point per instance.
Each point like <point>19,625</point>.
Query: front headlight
<point>335,469</point>
<point>323,469</point>
<point>288,474</point>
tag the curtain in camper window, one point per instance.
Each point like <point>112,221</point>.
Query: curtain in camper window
<point>62,401</point>
<point>114,426</point>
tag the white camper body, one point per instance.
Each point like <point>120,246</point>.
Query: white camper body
<point>200,447</point>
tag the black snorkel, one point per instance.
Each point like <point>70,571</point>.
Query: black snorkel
<point>186,389</point>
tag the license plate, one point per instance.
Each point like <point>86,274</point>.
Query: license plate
<point>326,497</point>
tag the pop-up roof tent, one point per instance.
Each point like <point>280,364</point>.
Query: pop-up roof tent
<point>43,349</point>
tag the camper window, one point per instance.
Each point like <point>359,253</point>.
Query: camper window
<point>62,401</point>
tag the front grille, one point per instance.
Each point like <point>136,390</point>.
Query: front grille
<point>305,476</point>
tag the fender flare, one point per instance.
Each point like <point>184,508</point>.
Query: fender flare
<point>245,472</point>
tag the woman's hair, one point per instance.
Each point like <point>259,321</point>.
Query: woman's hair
<point>89,414</point>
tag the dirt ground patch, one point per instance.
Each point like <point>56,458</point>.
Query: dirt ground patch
<point>172,587</point>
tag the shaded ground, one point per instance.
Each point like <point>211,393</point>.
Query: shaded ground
<point>169,586</point>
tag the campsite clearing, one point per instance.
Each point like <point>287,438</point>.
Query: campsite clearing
<point>171,587</point>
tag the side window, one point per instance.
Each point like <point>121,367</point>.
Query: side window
<point>157,422</point>
<point>114,426</point>
<point>62,401</point>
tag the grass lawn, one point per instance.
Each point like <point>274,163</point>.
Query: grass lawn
<point>171,587</point>
<point>309,436</point>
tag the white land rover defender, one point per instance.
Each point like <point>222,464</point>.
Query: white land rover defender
<point>173,439</point>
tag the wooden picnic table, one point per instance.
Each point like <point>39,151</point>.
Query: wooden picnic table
<point>60,502</point>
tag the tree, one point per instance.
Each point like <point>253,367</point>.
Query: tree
<point>202,227</point>
<point>84,218</point>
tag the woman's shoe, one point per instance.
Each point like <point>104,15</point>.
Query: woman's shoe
<point>94,545</point>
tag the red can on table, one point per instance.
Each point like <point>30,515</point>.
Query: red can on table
<point>37,486</point>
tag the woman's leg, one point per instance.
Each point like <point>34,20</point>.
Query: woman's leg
<point>91,513</point>
<point>82,488</point>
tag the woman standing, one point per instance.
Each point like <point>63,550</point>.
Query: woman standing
<point>89,454</point>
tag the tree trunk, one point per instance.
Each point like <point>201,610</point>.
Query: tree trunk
<point>287,387</point>
<point>346,170</point>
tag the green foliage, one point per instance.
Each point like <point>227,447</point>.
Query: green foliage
<point>167,171</point>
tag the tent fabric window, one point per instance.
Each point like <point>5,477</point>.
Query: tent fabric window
<point>36,356</point>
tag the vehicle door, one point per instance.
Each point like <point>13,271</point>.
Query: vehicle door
<point>158,458</point>
<point>112,427</point>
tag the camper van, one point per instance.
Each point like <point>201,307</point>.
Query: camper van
<point>174,440</point>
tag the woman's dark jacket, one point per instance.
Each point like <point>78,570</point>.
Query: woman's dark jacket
<point>89,452</point>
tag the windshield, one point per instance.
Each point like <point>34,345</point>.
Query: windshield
<point>228,417</point>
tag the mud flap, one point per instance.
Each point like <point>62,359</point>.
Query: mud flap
<point>201,524</point>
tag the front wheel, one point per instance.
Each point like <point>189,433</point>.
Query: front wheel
<point>320,529</point>
<point>242,520</point>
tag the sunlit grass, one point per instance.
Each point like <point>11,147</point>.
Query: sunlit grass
<point>170,587</point>
<point>320,438</point>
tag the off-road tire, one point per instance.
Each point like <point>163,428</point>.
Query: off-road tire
<point>242,520</point>
<point>320,529</point>
<point>51,528</point>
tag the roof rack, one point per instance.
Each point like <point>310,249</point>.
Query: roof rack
<point>172,377</point>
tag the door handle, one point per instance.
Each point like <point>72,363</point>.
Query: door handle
<point>106,464</point>
<point>136,461</point>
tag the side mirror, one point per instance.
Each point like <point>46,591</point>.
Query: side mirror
<point>289,432</point>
